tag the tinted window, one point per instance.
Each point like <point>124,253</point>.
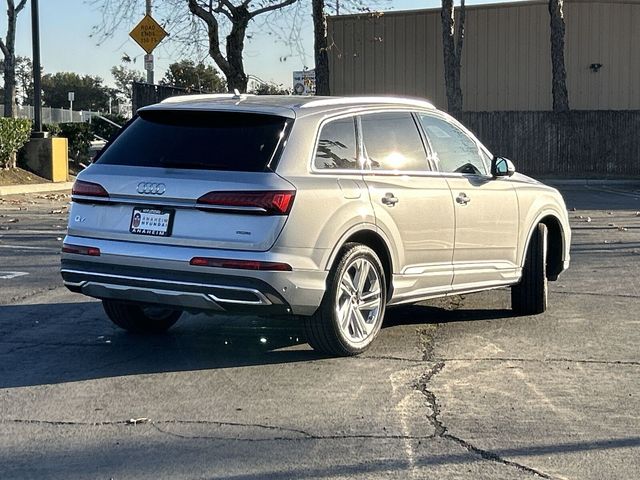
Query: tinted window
<point>454,150</point>
<point>203,140</point>
<point>392,142</point>
<point>337,145</point>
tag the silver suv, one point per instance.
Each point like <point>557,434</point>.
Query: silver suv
<point>327,210</point>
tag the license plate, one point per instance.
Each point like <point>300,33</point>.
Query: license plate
<point>151,221</point>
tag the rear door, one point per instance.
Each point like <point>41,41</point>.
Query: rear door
<point>486,209</point>
<point>412,204</point>
<point>189,178</point>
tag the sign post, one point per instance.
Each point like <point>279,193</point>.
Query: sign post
<point>72,97</point>
<point>148,34</point>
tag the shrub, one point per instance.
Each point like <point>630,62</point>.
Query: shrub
<point>79,136</point>
<point>104,129</point>
<point>14,133</point>
<point>52,128</point>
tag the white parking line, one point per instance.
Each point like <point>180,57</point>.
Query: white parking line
<point>9,275</point>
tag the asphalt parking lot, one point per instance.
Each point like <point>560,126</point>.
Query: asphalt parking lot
<point>453,389</point>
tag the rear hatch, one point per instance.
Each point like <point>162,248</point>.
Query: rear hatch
<point>188,178</point>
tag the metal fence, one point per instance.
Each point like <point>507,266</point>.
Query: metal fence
<point>55,115</point>
<point>577,144</point>
<point>148,94</point>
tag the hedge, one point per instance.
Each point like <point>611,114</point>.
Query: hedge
<point>79,136</point>
<point>14,133</point>
<point>105,129</point>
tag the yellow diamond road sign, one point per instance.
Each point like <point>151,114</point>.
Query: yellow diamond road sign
<point>148,33</point>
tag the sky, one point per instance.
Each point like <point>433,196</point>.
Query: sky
<point>65,26</point>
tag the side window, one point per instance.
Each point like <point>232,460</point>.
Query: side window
<point>454,150</point>
<point>392,142</point>
<point>337,145</point>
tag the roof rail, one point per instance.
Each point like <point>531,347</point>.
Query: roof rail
<point>205,96</point>
<point>375,100</point>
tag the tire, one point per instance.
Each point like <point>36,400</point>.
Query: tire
<point>529,297</point>
<point>337,328</point>
<point>140,319</point>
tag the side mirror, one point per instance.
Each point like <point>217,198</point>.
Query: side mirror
<point>502,167</point>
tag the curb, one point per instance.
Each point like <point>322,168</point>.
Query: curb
<point>35,188</point>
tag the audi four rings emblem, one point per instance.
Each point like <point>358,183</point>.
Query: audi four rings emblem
<point>149,188</point>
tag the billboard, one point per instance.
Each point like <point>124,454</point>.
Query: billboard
<point>304,82</point>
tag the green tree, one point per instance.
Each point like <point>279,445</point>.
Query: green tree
<point>200,77</point>
<point>23,80</point>
<point>123,76</point>
<point>269,89</point>
<point>90,92</point>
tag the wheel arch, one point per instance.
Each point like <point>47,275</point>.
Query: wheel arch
<point>556,239</point>
<point>372,239</point>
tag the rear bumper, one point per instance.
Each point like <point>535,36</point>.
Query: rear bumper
<point>170,280</point>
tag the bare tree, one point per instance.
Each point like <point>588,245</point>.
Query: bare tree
<point>452,41</point>
<point>320,47</point>
<point>8,48</point>
<point>232,65</point>
<point>220,26</point>
<point>559,73</point>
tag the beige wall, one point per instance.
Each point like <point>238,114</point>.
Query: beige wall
<point>506,60</point>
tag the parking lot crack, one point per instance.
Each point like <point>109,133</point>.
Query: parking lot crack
<point>423,386</point>
<point>488,455</point>
<point>441,430</point>
<point>298,435</point>
<point>66,422</point>
<point>542,360</point>
<point>393,359</point>
<point>283,433</point>
<point>596,294</point>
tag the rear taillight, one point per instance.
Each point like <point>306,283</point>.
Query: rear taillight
<point>80,250</point>
<point>88,189</point>
<point>240,264</point>
<point>265,203</point>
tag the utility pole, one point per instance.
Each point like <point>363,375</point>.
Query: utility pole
<point>148,58</point>
<point>37,81</point>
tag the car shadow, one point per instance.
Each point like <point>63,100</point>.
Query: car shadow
<point>428,314</point>
<point>65,342</point>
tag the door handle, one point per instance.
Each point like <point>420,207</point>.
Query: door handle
<point>390,200</point>
<point>462,198</point>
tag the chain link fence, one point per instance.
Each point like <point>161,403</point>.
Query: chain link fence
<point>56,115</point>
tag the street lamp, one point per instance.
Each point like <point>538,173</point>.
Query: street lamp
<point>37,94</point>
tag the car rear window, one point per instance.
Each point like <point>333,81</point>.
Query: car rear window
<point>231,141</point>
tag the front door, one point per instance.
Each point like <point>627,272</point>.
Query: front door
<point>486,209</point>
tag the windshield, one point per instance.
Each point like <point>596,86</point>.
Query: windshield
<point>208,140</point>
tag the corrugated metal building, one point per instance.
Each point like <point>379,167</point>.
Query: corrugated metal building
<point>506,61</point>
